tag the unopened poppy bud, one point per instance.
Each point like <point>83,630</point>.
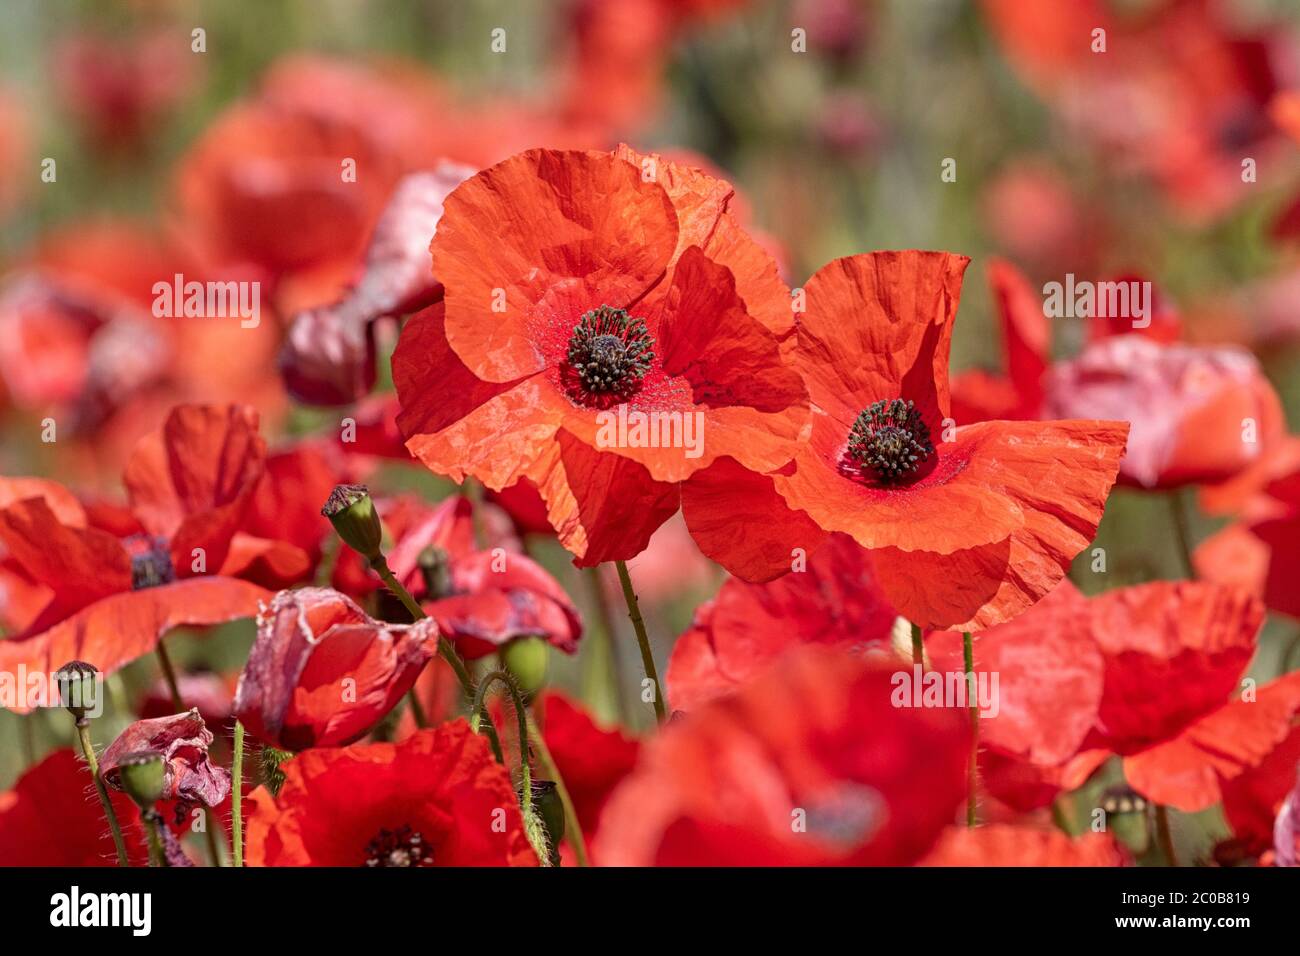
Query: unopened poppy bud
<point>550,810</point>
<point>78,685</point>
<point>352,512</point>
<point>143,776</point>
<point>526,658</point>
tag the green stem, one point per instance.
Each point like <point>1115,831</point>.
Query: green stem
<point>1182,535</point>
<point>169,675</point>
<point>237,796</point>
<point>157,856</point>
<point>525,770</point>
<point>571,828</point>
<point>972,704</point>
<point>417,709</point>
<point>445,648</point>
<point>918,646</point>
<point>602,674</point>
<point>88,751</point>
<point>643,641</point>
<point>1165,835</point>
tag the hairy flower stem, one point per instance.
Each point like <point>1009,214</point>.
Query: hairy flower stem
<point>445,648</point>
<point>918,646</point>
<point>533,827</point>
<point>972,703</point>
<point>157,856</point>
<point>647,658</point>
<point>571,828</point>
<point>237,797</point>
<point>88,751</point>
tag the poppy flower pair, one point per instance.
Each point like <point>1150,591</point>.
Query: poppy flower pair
<point>621,282</point>
<point>115,580</point>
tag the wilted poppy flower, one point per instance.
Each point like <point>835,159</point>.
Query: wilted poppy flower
<point>1198,414</point>
<point>835,601</point>
<point>592,760</point>
<point>181,741</point>
<point>329,354</point>
<point>481,599</point>
<point>1001,507</point>
<point>113,595</point>
<point>624,289</point>
<point>436,799</point>
<point>1002,844</point>
<point>323,673</point>
<point>52,818</point>
<point>811,764</point>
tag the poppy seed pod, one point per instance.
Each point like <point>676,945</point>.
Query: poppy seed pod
<point>78,684</point>
<point>142,775</point>
<point>352,513</point>
<point>526,658</point>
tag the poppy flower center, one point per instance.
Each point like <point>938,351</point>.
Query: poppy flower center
<point>890,440</point>
<point>400,847</point>
<point>151,562</point>
<point>610,351</point>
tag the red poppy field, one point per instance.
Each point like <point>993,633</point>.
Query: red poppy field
<point>650,433</point>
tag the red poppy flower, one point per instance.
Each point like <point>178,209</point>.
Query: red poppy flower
<point>591,760</point>
<point>181,741</point>
<point>114,595</point>
<point>212,695</point>
<point>323,673</point>
<point>52,818</point>
<point>480,599</point>
<point>835,602</point>
<point>436,799</point>
<point>1198,414</point>
<point>1037,216</point>
<point>1002,844</point>
<point>624,289</point>
<point>1001,507</point>
<point>809,765</point>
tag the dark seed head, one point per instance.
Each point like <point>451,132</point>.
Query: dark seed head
<point>151,561</point>
<point>400,847</point>
<point>610,352</point>
<point>890,440</point>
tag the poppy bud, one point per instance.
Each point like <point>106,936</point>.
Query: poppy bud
<point>352,512</point>
<point>78,684</point>
<point>550,810</point>
<point>143,776</point>
<point>526,658</point>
